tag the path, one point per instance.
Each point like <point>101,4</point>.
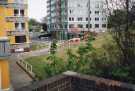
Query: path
<point>19,78</point>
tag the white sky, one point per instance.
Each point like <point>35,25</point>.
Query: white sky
<point>37,9</point>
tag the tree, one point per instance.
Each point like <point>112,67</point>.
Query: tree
<point>53,48</point>
<point>121,20</point>
<point>56,64</point>
<point>32,23</point>
<point>117,19</point>
<point>44,26</point>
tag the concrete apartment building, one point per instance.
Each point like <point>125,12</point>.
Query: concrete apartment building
<point>14,24</point>
<point>65,16</point>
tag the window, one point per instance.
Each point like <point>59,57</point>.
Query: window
<point>97,12</point>
<point>16,25</point>
<point>70,11</point>
<point>96,19</point>
<point>90,12</point>
<point>80,26</point>
<point>88,26</point>
<point>70,19</point>
<point>103,25</point>
<point>71,25</point>
<point>20,39</point>
<point>22,12</point>
<point>79,18</point>
<point>96,25</point>
<point>87,19</point>
<point>23,25</point>
<point>16,12</point>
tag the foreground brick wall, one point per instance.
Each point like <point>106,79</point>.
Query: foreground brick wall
<point>78,82</point>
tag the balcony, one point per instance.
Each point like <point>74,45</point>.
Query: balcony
<point>3,2</point>
<point>16,19</point>
<point>17,5</point>
<point>20,47</point>
<point>13,5</point>
<point>17,33</point>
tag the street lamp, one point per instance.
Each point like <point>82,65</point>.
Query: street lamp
<point>4,67</point>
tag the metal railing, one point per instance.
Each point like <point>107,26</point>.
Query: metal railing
<point>27,67</point>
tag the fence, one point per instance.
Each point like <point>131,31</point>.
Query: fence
<point>26,67</point>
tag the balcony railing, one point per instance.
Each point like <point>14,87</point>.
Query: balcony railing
<point>16,19</point>
<point>3,2</point>
<point>20,45</point>
<point>17,5</point>
<point>17,32</point>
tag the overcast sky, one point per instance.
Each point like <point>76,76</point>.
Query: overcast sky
<point>37,9</point>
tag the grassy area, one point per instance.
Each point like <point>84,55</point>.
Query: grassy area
<point>38,46</point>
<point>38,65</point>
<point>39,62</point>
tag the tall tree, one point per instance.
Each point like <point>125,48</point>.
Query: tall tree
<point>119,12</point>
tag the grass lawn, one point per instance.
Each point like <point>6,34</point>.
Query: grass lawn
<point>38,46</point>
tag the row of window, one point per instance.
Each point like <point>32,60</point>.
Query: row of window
<point>87,26</point>
<point>81,19</point>
<point>96,12</point>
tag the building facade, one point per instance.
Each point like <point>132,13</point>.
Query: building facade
<point>14,24</point>
<point>65,16</point>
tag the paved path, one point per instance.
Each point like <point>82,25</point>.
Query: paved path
<point>35,53</point>
<point>18,77</point>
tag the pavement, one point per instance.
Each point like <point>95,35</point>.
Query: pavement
<point>19,78</point>
<point>35,53</point>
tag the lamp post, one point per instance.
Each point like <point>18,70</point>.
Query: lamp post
<point>4,67</point>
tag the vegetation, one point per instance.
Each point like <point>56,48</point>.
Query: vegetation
<point>100,56</point>
<point>38,64</point>
<point>107,55</point>
<point>34,24</point>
